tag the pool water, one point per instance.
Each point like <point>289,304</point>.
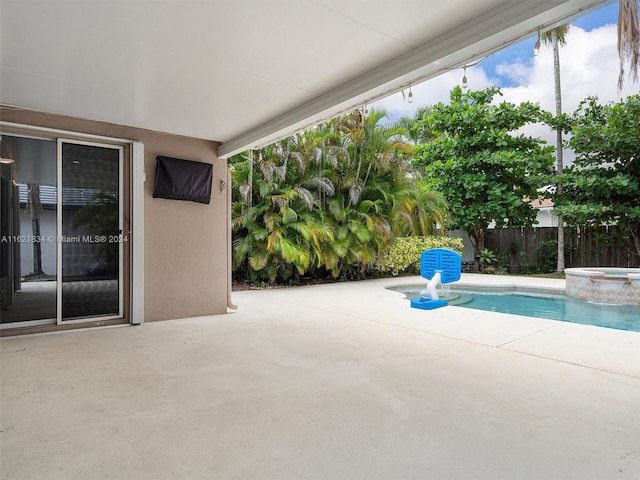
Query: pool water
<point>552,307</point>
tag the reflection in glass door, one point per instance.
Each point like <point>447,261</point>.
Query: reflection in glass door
<point>28,254</point>
<point>91,231</point>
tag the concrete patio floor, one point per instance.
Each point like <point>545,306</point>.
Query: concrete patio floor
<point>336,381</point>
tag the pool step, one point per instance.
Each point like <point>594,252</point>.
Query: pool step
<point>458,298</point>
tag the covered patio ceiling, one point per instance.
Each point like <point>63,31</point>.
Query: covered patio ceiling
<point>245,72</point>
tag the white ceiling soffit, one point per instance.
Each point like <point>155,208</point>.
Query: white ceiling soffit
<point>244,72</point>
<point>503,24</point>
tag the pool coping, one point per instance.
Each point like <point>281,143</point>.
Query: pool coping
<point>511,288</point>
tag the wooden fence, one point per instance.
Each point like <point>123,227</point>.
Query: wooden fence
<point>591,247</point>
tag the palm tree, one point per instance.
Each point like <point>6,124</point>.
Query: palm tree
<point>367,158</point>
<point>557,37</point>
<point>276,230</point>
<point>628,39</point>
<point>419,209</point>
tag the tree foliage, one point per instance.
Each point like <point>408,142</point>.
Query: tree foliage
<point>603,184</point>
<point>478,161</point>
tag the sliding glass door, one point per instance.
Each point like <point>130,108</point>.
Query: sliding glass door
<point>62,245</point>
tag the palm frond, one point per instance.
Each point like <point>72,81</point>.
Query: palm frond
<point>628,39</point>
<point>258,260</point>
<point>299,158</point>
<point>336,209</point>
<point>272,221</point>
<point>280,172</point>
<point>561,32</point>
<point>289,216</point>
<point>244,190</point>
<point>322,184</point>
<point>354,193</point>
<point>305,195</point>
<point>267,169</point>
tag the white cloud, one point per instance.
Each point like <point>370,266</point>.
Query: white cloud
<point>518,72</point>
<point>588,67</point>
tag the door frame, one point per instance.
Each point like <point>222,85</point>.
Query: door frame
<point>59,244</point>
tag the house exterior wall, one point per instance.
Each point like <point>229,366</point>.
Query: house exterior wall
<point>546,218</point>
<point>186,244</point>
<point>467,253</point>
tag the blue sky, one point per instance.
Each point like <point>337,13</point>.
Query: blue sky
<point>607,15</point>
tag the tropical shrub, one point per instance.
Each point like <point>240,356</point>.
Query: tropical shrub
<point>403,255</point>
<point>547,255</point>
<point>327,202</point>
<point>487,258</point>
<point>529,269</point>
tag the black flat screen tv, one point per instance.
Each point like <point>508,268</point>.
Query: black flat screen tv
<point>179,179</point>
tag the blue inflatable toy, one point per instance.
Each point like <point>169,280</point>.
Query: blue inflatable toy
<point>438,265</point>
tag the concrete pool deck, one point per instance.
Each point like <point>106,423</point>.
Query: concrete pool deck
<point>335,381</point>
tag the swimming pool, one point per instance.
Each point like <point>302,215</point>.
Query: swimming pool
<point>552,307</point>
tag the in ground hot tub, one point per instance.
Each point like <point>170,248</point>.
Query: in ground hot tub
<point>604,284</point>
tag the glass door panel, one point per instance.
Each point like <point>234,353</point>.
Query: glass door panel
<point>90,226</point>
<point>28,233</point>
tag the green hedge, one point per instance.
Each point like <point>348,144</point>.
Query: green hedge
<point>403,256</point>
